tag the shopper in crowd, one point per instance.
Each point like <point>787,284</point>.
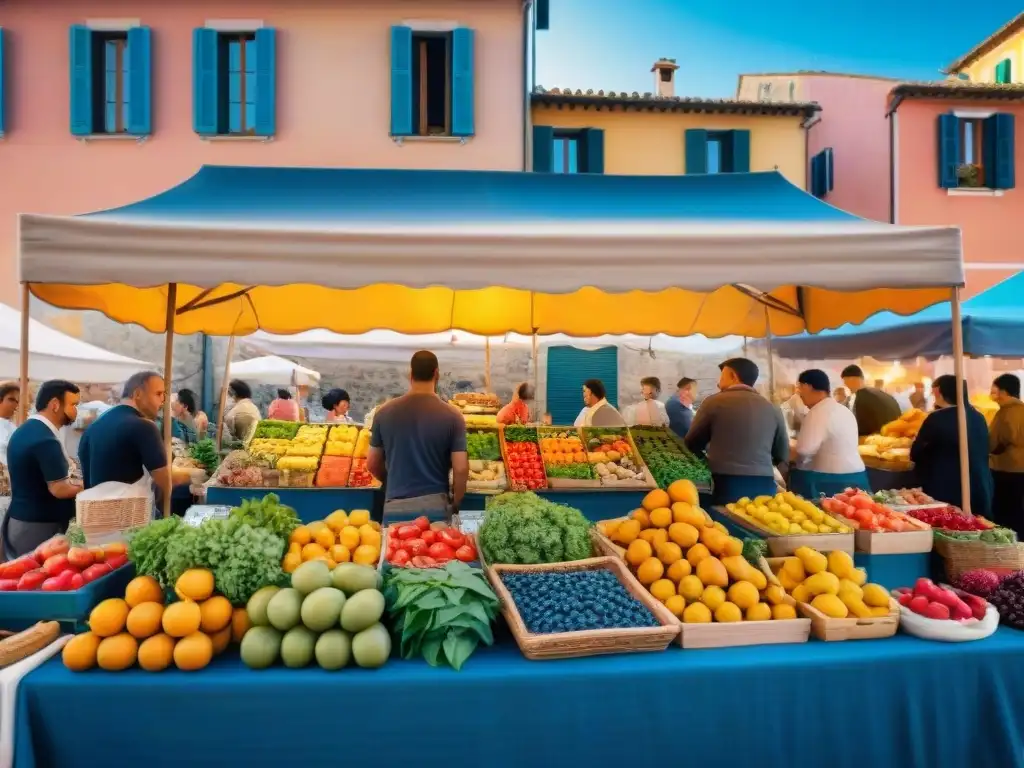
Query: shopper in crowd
<point>599,412</point>
<point>416,441</point>
<point>42,490</point>
<point>745,435</point>
<point>650,411</point>
<point>283,407</point>
<point>825,458</point>
<point>872,407</point>
<point>9,401</point>
<point>918,397</point>
<point>842,396</point>
<point>243,415</point>
<point>336,403</point>
<point>795,409</point>
<point>1006,446</point>
<point>517,411</point>
<point>679,408</point>
<point>936,450</point>
<point>184,409</point>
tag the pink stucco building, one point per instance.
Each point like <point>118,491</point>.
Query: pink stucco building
<point>106,102</point>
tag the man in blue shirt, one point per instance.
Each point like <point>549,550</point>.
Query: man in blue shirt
<point>42,493</point>
<point>680,406</point>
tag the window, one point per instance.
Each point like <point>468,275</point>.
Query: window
<point>234,82</point>
<point>110,81</point>
<point>717,151</point>
<point>714,160</point>
<point>558,150</point>
<point>1004,71</point>
<point>822,173</point>
<point>970,164</point>
<point>976,151</point>
<point>432,82</point>
<point>764,92</point>
<point>566,154</point>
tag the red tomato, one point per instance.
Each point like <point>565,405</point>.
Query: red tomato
<point>115,562</point>
<point>8,585</point>
<point>56,565</point>
<point>422,522</point>
<point>465,553</point>
<point>80,557</point>
<point>94,572</point>
<point>429,536</point>
<point>77,582</point>
<point>31,580</point>
<point>401,557</point>
<point>422,561</point>
<point>408,532</point>
<point>18,568</point>
<point>51,585</point>
<point>416,547</point>
<point>452,538</point>
<point>441,551</point>
<point>64,580</point>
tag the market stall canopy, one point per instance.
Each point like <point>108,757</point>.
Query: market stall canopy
<point>352,250</point>
<point>993,325</point>
<point>55,355</point>
<point>273,371</point>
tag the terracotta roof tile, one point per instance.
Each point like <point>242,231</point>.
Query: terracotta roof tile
<point>955,89</point>
<point>653,102</point>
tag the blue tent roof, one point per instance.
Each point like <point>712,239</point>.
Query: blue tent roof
<point>993,325</point>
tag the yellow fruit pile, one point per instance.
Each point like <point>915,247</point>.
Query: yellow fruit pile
<point>362,444</point>
<point>831,584</point>
<point>140,629</point>
<point>692,565</point>
<point>342,440</point>
<point>786,514</point>
<point>339,538</point>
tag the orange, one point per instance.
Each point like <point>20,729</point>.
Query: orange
<point>215,614</point>
<point>366,555</point>
<point>290,562</point>
<point>642,517</point>
<point>337,520</point>
<point>743,594</point>
<point>349,537</point>
<point>655,499</point>
<point>194,584</point>
<point>117,652</point>
<point>712,597</point>
<point>661,517</point>
<point>676,604</point>
<point>181,619</point>
<point>143,589</point>
<point>691,588</point>
<point>696,553</point>
<point>221,640</point>
<point>678,570</point>
<point>662,589</point>
<point>650,570</point>
<point>626,532</point>
<point>312,551</point>
<point>728,612</point>
<point>638,551</point>
<point>369,536</point>
<point>108,618</point>
<point>80,652</point>
<point>683,534</point>
<point>684,490</point>
<point>340,554</point>
<point>325,538</point>
<point>301,536</point>
<point>156,653</point>
<point>193,652</point>
<point>669,553</point>
<point>144,620</point>
<point>239,624</point>
<point>697,613</point>
<point>358,517</point>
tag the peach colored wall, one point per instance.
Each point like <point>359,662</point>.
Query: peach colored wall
<point>992,227</point>
<point>333,100</point>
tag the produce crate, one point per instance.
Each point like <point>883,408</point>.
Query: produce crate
<point>780,546</point>
<point>544,433</point>
<point>961,556</point>
<point>591,642</point>
<point>383,565</point>
<point>664,433</point>
<point>21,609</point>
<point>829,629</point>
<point>891,542</point>
<point>588,433</point>
<point>513,484</point>
<point>488,486</point>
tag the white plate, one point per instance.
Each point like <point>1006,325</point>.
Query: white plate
<point>946,630</point>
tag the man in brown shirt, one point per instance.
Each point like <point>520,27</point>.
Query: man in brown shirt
<point>1006,453</point>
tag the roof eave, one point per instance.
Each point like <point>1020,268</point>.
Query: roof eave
<point>597,102</point>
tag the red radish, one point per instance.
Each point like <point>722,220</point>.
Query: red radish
<point>8,585</point>
<point>64,579</point>
<point>77,582</point>
<point>919,604</point>
<point>905,598</point>
<point>961,612</point>
<point>31,580</point>
<point>936,611</point>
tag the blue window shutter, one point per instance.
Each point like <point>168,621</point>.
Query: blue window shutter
<point>568,368</point>
<point>205,98</point>
<point>815,175</point>
<point>266,82</point>
<point>593,148</point>
<point>462,82</point>
<point>3,95</point>
<point>140,95</point>
<point>830,169</point>
<point>401,81</point>
<point>949,151</point>
<point>696,151</point>
<point>81,80</point>
<point>543,149</point>
<point>999,151</point>
<point>740,151</point>
<point>1004,73</point>
<point>542,9</point>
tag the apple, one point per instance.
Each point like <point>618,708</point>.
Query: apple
<point>80,557</point>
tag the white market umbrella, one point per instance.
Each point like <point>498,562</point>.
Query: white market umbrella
<point>273,371</point>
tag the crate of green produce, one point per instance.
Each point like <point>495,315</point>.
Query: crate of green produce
<point>486,468</point>
<point>271,429</point>
<point>565,458</point>
<point>668,458</point>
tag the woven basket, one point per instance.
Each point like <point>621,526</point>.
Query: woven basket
<point>961,556</point>
<point>102,516</point>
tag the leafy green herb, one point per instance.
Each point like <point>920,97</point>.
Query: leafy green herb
<point>517,434</point>
<point>754,549</point>
<point>441,614</point>
<point>482,445</point>
<point>524,528</point>
<point>272,429</point>
<point>205,453</point>
<point>268,513</point>
<point>570,471</point>
<point>147,547</point>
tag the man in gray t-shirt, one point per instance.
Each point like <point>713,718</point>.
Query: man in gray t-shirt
<point>415,440</point>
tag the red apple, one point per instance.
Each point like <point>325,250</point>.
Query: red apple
<point>80,557</point>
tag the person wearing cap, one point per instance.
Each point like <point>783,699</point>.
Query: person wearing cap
<point>872,407</point>
<point>825,456</point>
<point>745,436</point>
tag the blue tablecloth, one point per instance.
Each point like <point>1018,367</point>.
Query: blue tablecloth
<point>896,703</point>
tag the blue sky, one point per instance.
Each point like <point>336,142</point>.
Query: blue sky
<point>611,44</point>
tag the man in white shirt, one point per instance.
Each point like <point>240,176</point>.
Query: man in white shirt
<point>826,456</point>
<point>649,412</point>
<point>9,400</point>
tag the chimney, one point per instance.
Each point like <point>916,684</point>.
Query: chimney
<point>665,77</point>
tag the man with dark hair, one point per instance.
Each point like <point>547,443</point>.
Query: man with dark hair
<point>42,492</point>
<point>184,408</point>
<point>872,407</point>
<point>745,435</point>
<point>124,443</point>
<point>598,411</point>
<point>415,442</point>
<point>242,414</point>
<point>679,407</point>
<point>650,411</point>
<point>936,450</point>
<point>1006,449</point>
<point>9,400</point>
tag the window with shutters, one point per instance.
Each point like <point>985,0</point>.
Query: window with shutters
<point>976,151</point>
<point>970,166</point>
<point>234,82</point>
<point>109,81</point>
<point>432,90</point>
<point>1004,72</point>
<point>113,47</point>
<point>238,76</point>
<point>431,77</point>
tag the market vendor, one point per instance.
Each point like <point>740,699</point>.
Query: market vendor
<point>679,407</point>
<point>744,434</point>
<point>336,403</point>
<point>416,441</point>
<point>872,407</point>
<point>42,491</point>
<point>649,412</point>
<point>825,457</point>
<point>517,411</point>
<point>1006,449</point>
<point>243,414</point>
<point>598,411</point>
<point>936,451</point>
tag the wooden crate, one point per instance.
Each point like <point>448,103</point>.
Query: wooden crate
<point>512,485</point>
<point>672,436</point>
<point>782,545</point>
<point>565,482</point>
<point>591,642</point>
<point>850,628</point>
<point>891,542</point>
<point>637,459</point>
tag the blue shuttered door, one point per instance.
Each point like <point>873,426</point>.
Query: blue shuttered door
<point>740,141</point>
<point>999,151</point>
<point>3,94</point>
<point>568,368</point>
<point>140,94</point>
<point>949,150</point>
<point>543,149</point>
<point>401,81</point>
<point>266,82</point>
<point>593,147</point>
<point>696,151</point>
<point>462,83</point>
<point>205,97</point>
<point>81,80</point>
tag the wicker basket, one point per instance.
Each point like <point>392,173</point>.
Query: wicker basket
<point>103,516</point>
<point>960,556</point>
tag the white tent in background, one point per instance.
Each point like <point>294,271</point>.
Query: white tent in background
<point>273,371</point>
<point>55,355</point>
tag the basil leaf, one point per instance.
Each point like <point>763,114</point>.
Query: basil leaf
<point>408,595</point>
<point>473,583</point>
<point>459,646</point>
<point>432,651</point>
<point>454,595</point>
<point>430,600</point>
<point>446,615</point>
<point>481,629</point>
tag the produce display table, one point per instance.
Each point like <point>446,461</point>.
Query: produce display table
<point>884,703</point>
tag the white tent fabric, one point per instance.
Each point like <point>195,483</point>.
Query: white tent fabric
<point>55,355</point>
<point>273,371</point>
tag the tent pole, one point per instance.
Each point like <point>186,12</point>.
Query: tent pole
<point>172,305</point>
<point>487,363</point>
<point>961,405</point>
<point>23,395</point>
<point>224,390</point>
<point>536,376</point>
<point>771,356</point>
